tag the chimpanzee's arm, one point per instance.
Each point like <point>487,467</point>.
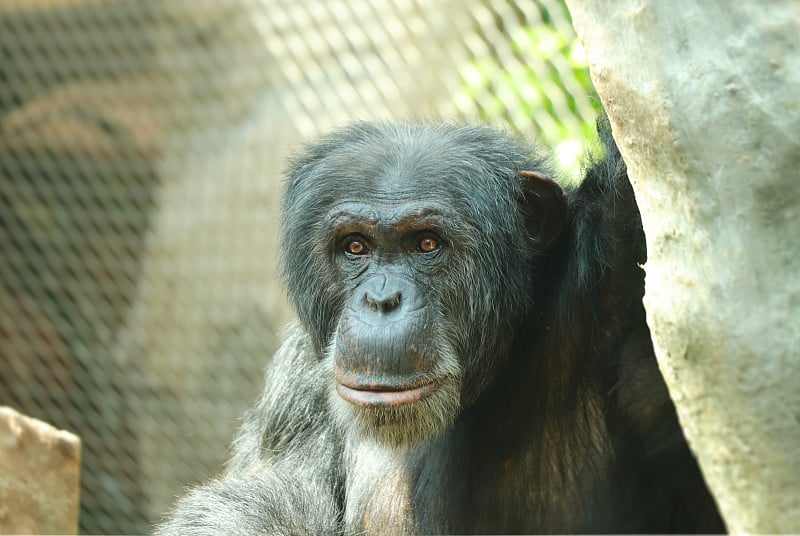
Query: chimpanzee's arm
<point>282,478</point>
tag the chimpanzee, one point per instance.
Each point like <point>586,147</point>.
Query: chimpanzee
<point>471,354</point>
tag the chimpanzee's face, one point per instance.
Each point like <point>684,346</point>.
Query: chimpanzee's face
<point>391,356</point>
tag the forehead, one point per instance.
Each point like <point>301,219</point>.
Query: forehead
<point>403,214</point>
<point>471,171</point>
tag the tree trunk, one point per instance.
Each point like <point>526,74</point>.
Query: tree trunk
<point>704,101</point>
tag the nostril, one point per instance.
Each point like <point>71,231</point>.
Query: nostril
<point>384,304</point>
<point>392,302</point>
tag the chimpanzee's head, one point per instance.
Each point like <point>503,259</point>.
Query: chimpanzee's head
<point>410,252</point>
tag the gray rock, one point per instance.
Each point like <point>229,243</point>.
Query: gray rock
<point>703,101</point>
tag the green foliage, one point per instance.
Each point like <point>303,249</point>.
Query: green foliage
<point>541,87</point>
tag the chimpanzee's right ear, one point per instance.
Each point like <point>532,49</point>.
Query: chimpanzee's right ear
<point>544,207</point>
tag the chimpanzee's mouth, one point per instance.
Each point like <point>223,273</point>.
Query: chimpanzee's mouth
<point>378,395</point>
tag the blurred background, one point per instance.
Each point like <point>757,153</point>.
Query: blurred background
<point>141,150</point>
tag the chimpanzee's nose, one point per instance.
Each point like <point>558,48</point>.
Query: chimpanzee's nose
<point>383,302</point>
<point>382,294</point>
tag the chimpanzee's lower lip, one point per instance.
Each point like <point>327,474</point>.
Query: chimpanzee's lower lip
<point>384,397</point>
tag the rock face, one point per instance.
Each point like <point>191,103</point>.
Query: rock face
<point>704,101</point>
<point>39,476</point>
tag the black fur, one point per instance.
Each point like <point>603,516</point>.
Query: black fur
<point>562,423</point>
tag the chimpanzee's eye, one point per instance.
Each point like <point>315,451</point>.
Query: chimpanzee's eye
<point>428,245</point>
<point>356,246</point>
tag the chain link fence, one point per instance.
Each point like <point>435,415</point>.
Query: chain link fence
<point>141,149</point>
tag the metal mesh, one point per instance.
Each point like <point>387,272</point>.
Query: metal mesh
<point>141,148</point>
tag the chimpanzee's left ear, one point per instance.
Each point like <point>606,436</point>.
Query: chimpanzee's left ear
<point>544,207</point>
